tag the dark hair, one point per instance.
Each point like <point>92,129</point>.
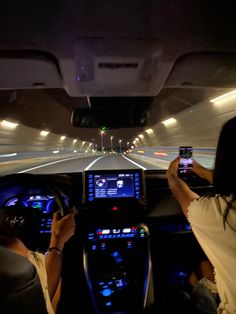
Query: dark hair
<point>224,176</point>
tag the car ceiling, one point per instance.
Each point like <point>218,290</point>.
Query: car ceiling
<point>192,41</point>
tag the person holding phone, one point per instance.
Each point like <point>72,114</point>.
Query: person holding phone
<point>213,219</point>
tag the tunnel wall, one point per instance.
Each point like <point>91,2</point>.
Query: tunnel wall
<point>198,126</point>
<point>26,139</point>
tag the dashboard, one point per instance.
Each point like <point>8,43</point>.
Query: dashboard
<point>129,229</point>
<point>43,203</point>
<point>98,196</point>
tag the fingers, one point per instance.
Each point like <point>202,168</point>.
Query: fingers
<point>56,217</point>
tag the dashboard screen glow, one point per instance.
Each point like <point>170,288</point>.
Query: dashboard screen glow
<point>113,185</point>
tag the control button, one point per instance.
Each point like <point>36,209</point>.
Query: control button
<point>129,244</point>
<point>114,208</point>
<point>103,246</point>
<point>107,292</point>
<point>108,304</point>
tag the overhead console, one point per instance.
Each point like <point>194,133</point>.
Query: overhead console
<point>114,190</point>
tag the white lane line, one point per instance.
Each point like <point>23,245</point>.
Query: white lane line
<point>48,164</point>
<point>135,163</point>
<point>8,155</point>
<point>92,163</point>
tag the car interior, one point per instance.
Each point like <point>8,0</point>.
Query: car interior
<point>96,100</point>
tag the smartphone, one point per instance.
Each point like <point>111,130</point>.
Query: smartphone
<point>186,160</point>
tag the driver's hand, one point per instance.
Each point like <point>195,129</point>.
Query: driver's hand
<point>62,229</point>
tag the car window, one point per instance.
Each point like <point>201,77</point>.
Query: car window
<point>37,134</point>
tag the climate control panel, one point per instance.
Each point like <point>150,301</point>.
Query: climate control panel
<point>118,268</point>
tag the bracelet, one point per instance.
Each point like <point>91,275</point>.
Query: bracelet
<point>55,249</point>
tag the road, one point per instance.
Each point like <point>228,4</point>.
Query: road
<point>48,164</point>
<point>88,163</point>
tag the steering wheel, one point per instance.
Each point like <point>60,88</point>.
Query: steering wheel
<point>24,208</point>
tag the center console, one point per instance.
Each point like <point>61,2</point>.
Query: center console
<point>116,257</point>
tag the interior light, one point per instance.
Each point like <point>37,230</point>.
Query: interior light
<point>141,136</point>
<point>9,125</point>
<point>44,133</point>
<point>149,131</point>
<point>223,98</point>
<point>169,121</point>
<point>62,138</point>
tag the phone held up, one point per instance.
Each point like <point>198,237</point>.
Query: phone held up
<point>186,161</point>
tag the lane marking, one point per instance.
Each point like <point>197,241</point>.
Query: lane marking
<point>135,163</point>
<point>47,164</point>
<point>92,163</point>
<point>8,155</point>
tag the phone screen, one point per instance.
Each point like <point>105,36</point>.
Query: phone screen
<point>186,160</point>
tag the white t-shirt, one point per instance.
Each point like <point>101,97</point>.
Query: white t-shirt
<point>38,260</point>
<point>219,243</point>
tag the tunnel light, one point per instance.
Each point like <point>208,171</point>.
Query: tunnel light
<point>55,151</point>
<point>149,131</point>
<point>9,125</point>
<point>44,133</point>
<point>62,138</point>
<point>136,139</point>
<point>223,98</point>
<point>83,143</point>
<point>74,141</point>
<point>141,136</point>
<point>169,121</point>
<point>75,151</point>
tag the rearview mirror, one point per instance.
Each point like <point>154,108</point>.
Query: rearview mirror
<point>110,117</point>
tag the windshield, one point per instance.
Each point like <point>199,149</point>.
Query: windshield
<point>37,135</point>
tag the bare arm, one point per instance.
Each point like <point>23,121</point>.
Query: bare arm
<point>62,230</point>
<point>179,188</point>
<point>202,172</point>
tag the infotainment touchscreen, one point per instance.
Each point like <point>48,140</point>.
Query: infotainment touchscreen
<point>109,185</point>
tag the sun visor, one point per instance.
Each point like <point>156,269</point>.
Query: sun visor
<point>28,69</point>
<point>116,67</point>
<point>213,70</point>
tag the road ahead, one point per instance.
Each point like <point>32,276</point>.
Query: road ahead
<point>92,163</point>
<point>77,163</point>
